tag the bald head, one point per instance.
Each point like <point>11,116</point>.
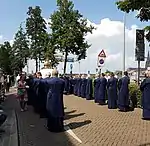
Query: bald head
<point>55,73</point>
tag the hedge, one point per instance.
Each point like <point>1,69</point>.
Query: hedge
<point>135,93</point>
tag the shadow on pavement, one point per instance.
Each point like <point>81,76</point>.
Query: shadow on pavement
<point>73,116</point>
<point>70,112</point>
<point>146,144</point>
<point>75,125</point>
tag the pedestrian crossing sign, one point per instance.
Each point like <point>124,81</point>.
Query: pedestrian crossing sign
<point>102,54</point>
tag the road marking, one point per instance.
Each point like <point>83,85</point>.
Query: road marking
<point>68,130</point>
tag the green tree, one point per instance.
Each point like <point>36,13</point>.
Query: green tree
<point>5,57</point>
<point>142,6</point>
<point>108,71</point>
<point>68,30</point>
<point>36,30</point>
<point>20,50</point>
<point>49,50</point>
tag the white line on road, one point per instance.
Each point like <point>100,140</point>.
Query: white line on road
<point>68,130</point>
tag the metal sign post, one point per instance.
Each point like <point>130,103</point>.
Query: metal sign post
<point>101,60</point>
<point>71,67</point>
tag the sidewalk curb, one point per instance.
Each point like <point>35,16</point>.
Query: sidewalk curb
<point>17,129</point>
<point>10,136</point>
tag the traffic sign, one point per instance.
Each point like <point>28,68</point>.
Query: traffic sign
<point>101,61</point>
<point>101,58</point>
<point>102,54</point>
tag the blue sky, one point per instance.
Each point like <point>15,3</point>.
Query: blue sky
<point>13,12</point>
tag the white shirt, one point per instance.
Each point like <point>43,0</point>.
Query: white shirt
<point>18,78</point>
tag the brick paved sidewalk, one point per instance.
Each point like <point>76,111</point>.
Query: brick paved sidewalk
<point>96,125</point>
<point>32,131</point>
<point>93,124</point>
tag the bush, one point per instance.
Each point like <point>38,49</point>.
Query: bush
<point>135,93</point>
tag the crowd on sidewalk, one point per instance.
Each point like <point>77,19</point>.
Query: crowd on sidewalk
<point>46,94</point>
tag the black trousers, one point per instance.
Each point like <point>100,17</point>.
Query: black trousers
<point>55,124</point>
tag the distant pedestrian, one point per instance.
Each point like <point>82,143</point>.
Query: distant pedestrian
<point>22,93</point>
<point>8,83</point>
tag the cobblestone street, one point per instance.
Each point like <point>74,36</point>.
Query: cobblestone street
<point>94,125</point>
<point>101,126</point>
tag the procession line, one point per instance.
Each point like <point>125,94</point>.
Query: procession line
<point>69,131</point>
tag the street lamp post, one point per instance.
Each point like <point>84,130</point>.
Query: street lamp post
<point>124,42</point>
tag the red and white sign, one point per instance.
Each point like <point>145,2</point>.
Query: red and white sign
<point>102,54</point>
<point>101,58</point>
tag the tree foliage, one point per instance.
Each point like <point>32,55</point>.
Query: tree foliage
<point>68,30</point>
<point>142,6</point>
<point>36,31</point>
<point>20,50</point>
<point>49,50</point>
<point>6,57</point>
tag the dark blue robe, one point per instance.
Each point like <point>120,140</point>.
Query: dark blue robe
<point>71,85</point>
<point>30,91</point>
<point>75,86</point>
<point>66,90</point>
<point>83,87</point>
<point>79,82</point>
<point>36,82</point>
<point>42,91</point>
<point>145,88</point>
<point>55,106</point>
<point>89,89</point>
<point>123,95</point>
<point>97,83</point>
<point>102,91</point>
<point>112,92</point>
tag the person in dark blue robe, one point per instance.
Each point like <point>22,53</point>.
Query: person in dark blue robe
<point>89,89</point>
<point>112,92</point>
<point>36,93</point>
<point>102,90</point>
<point>75,90</point>
<point>123,95</point>
<point>71,85</point>
<point>30,92</point>
<point>83,86</point>
<point>145,88</point>
<point>79,81</point>
<point>66,90</point>
<point>55,106</point>
<point>43,90</point>
<point>96,87</point>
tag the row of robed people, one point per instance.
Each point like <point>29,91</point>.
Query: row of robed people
<point>46,97</point>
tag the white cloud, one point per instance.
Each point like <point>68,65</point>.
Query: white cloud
<point>11,42</point>
<point>108,36</point>
<point>1,38</point>
<point>48,21</point>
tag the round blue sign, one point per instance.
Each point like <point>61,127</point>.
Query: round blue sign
<point>101,61</point>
